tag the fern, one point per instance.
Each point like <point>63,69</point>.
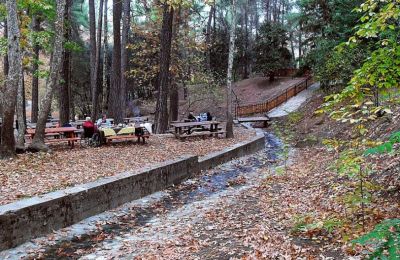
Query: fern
<point>384,239</point>
<point>386,147</point>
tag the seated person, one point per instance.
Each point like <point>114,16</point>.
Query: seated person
<point>88,123</point>
<point>209,117</point>
<point>103,121</point>
<point>203,117</point>
<point>88,127</point>
<point>191,117</point>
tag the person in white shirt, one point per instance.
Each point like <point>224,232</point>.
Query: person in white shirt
<point>103,121</point>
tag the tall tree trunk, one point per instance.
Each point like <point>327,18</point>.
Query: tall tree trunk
<point>246,42</point>
<point>5,67</point>
<point>64,98</point>
<point>124,53</point>
<point>300,43</point>
<point>232,37</point>
<point>93,74</point>
<point>99,64</point>
<point>174,88</point>
<point>161,117</point>
<point>21,112</point>
<point>51,84</point>
<point>256,18</point>
<point>114,106</point>
<point>9,99</point>
<point>174,102</point>
<point>35,69</point>
<point>292,48</point>
<point>106,67</point>
<point>208,38</point>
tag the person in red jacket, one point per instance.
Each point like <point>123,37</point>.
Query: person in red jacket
<point>88,127</point>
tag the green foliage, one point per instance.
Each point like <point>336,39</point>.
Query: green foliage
<point>270,51</point>
<point>3,46</point>
<point>380,72</point>
<point>386,147</point>
<point>304,224</point>
<point>384,240</point>
<point>336,71</point>
<point>294,117</point>
<point>45,8</point>
<point>73,46</point>
<point>327,24</point>
<point>43,39</point>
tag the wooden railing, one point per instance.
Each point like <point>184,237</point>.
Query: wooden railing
<point>264,107</point>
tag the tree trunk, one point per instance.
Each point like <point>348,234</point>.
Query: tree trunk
<point>124,53</point>
<point>208,39</point>
<point>35,69</point>
<point>9,99</point>
<point>93,74</point>
<point>21,113</point>
<point>64,98</point>
<point>5,68</point>
<point>232,36</point>
<point>292,48</point>
<point>51,84</point>
<point>99,64</point>
<point>174,103</point>
<point>256,19</point>
<point>106,68</point>
<point>114,106</point>
<point>161,117</point>
<point>246,49</point>
<point>300,44</point>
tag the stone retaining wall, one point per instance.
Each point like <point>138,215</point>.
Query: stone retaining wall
<point>29,218</point>
<point>238,150</point>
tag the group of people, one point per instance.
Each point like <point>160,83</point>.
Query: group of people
<point>202,117</point>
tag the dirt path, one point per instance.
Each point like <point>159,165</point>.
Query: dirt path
<point>257,90</point>
<point>248,91</point>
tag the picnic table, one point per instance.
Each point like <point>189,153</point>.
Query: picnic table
<point>59,134</point>
<point>138,119</point>
<point>192,129</point>
<point>138,132</point>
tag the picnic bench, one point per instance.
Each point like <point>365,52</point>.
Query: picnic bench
<point>58,134</point>
<point>195,129</point>
<point>107,135</point>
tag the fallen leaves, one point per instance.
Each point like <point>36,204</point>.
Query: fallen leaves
<point>34,174</point>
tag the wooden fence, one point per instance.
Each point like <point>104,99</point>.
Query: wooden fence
<point>264,107</point>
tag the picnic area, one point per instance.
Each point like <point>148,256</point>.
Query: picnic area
<point>37,173</point>
<point>194,130</point>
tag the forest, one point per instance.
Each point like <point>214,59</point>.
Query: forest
<point>121,58</point>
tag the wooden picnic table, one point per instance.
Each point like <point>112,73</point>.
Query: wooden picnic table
<point>140,133</point>
<point>203,128</point>
<point>136,119</point>
<point>69,134</point>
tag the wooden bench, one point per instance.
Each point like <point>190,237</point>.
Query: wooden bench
<point>56,140</point>
<point>109,139</point>
<point>202,134</point>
